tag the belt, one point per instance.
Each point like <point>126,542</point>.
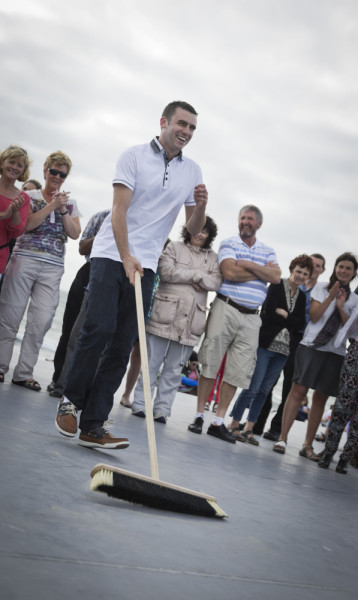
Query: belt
<point>243,309</point>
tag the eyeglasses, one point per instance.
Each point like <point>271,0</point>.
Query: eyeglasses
<point>55,172</point>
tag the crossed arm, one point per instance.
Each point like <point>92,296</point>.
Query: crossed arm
<point>246,270</point>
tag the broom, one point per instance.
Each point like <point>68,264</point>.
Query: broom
<point>150,491</point>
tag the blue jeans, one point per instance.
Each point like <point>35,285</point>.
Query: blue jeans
<point>268,367</point>
<point>106,340</point>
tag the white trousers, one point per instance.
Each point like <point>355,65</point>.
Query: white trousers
<point>173,356</point>
<point>27,279</point>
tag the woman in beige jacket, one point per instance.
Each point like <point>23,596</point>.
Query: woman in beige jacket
<point>188,270</point>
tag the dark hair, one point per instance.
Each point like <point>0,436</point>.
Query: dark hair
<point>193,356</point>
<point>171,108</point>
<point>345,256</point>
<point>316,255</point>
<point>210,226</point>
<point>34,182</point>
<point>304,261</point>
<point>252,208</point>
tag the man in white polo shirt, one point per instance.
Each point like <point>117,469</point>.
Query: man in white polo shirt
<point>151,184</point>
<point>247,265</point>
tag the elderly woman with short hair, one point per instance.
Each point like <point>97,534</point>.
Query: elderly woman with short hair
<point>35,270</point>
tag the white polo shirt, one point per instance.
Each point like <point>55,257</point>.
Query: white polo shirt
<point>160,188</point>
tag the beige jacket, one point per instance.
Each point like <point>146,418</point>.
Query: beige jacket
<point>179,311</point>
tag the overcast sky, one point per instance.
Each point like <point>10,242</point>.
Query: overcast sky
<point>274,82</point>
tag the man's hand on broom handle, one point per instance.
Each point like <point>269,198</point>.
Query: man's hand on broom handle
<point>131,264</point>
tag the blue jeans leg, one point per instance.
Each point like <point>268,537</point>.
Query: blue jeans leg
<point>109,331</point>
<point>274,365</point>
<point>261,374</point>
<point>246,396</point>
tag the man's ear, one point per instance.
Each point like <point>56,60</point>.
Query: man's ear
<point>163,122</point>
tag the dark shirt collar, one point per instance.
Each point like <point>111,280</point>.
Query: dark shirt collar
<point>157,147</point>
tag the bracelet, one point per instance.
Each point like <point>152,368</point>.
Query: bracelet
<point>63,214</point>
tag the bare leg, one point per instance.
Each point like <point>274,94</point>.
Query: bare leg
<point>249,426</point>
<point>204,388</point>
<point>293,402</point>
<point>132,374</point>
<point>227,393</point>
<point>315,416</point>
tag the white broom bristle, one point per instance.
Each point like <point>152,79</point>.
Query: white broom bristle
<point>103,477</point>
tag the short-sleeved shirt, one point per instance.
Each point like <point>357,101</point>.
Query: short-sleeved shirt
<point>93,226</point>
<point>160,189</point>
<point>47,241</point>
<point>320,293</point>
<point>251,293</point>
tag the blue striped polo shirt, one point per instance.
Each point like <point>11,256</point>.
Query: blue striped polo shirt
<point>250,293</point>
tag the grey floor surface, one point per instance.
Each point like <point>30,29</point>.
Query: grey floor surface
<point>291,531</point>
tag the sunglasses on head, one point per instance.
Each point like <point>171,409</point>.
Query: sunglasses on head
<point>55,172</point>
<point>17,148</point>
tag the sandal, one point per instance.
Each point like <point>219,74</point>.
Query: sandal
<point>2,377</point>
<point>308,452</point>
<point>30,384</point>
<point>280,447</point>
<point>250,438</point>
<point>320,437</point>
<point>236,432</point>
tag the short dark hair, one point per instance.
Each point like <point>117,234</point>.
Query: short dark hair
<point>322,258</point>
<point>252,208</point>
<point>171,108</point>
<point>34,182</point>
<point>345,256</point>
<point>210,227</point>
<point>304,261</point>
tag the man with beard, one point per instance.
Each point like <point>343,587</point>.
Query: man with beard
<point>247,265</point>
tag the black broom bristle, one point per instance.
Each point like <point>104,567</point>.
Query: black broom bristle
<point>139,489</point>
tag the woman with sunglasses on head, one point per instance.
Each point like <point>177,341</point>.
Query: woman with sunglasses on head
<point>35,270</point>
<point>14,203</point>
<point>318,360</point>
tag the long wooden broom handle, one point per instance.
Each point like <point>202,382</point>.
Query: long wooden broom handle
<point>145,376</point>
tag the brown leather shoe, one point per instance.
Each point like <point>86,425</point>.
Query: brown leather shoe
<point>101,438</point>
<point>66,419</point>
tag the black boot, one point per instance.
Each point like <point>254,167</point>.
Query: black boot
<point>325,461</point>
<point>342,466</point>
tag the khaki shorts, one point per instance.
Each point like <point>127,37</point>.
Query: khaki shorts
<point>228,329</point>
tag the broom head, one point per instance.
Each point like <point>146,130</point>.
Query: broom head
<point>140,489</point>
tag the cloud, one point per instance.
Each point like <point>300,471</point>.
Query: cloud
<point>274,82</point>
